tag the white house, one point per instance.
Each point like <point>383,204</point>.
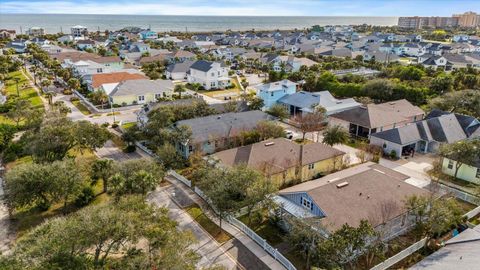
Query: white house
<point>211,75</point>
<point>85,44</point>
<point>79,31</point>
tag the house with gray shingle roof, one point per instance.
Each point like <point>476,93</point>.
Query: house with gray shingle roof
<point>211,75</point>
<point>217,132</point>
<point>427,135</point>
<point>132,92</point>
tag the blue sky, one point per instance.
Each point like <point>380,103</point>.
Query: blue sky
<point>245,7</point>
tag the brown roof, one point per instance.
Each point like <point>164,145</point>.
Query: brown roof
<point>276,157</point>
<point>182,53</point>
<point>379,115</point>
<point>148,59</point>
<point>371,189</point>
<point>101,78</point>
<point>77,56</point>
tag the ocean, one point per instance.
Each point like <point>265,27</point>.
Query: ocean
<point>53,23</point>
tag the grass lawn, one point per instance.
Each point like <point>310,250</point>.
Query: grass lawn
<point>81,107</point>
<point>26,92</point>
<point>220,94</point>
<point>128,125</point>
<point>262,226</point>
<point>28,218</point>
<point>213,229</point>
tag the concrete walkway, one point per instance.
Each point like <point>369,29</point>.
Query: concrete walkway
<point>268,260</point>
<point>210,251</point>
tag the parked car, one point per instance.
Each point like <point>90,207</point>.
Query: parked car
<point>289,134</point>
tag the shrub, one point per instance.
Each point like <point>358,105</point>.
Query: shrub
<point>114,125</point>
<point>393,154</point>
<point>106,124</point>
<point>116,106</point>
<point>85,197</point>
<point>67,92</point>
<point>74,98</point>
<point>130,148</point>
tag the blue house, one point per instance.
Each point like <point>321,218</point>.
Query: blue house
<point>148,34</point>
<point>270,93</point>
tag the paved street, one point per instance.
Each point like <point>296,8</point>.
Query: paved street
<point>110,150</point>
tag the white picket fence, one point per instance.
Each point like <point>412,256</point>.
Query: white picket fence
<point>261,242</point>
<point>458,193</point>
<point>179,178</point>
<point>400,256</point>
<point>473,212</point>
<point>250,233</point>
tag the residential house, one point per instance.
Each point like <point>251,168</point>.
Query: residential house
<point>283,161</point>
<point>270,93</point>
<point>427,135</point>
<point>302,102</point>
<point>97,80</point>
<point>85,44</point>
<point>435,62</point>
<point>18,45</point>
<point>65,39</point>
<point>147,34</point>
<point>466,172</point>
<point>352,195</point>
<point>181,56</point>
<point>79,31</point>
<point>459,252</point>
<point>413,49</point>
<point>211,75</point>
<point>365,120</point>
<point>139,91</point>
<point>217,132</point>
<point>36,31</point>
<point>178,71</point>
<point>40,41</point>
<point>7,34</point>
<point>381,57</point>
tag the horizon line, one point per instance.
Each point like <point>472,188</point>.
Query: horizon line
<point>191,15</point>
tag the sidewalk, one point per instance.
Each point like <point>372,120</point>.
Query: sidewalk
<point>210,251</point>
<point>237,234</point>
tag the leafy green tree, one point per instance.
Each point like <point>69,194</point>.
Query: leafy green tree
<point>304,238</point>
<point>58,135</point>
<point>410,73</point>
<point>42,184</point>
<point>441,84</point>
<point>463,152</point>
<point>6,135</point>
<point>464,102</point>
<point>279,111</point>
<point>137,176</point>
<point>169,157</point>
<point>101,236</point>
<point>335,135</point>
<point>20,111</point>
<point>381,89</point>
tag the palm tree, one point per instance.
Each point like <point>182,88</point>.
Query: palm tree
<point>179,88</point>
<point>99,97</point>
<point>50,95</point>
<point>45,84</point>
<point>335,135</point>
<point>103,168</point>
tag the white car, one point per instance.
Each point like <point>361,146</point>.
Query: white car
<point>289,134</point>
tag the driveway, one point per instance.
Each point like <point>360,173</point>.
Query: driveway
<point>111,151</point>
<point>210,251</point>
<point>415,167</point>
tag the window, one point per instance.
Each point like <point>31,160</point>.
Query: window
<point>306,203</point>
<point>190,148</point>
<point>141,98</point>
<point>213,74</point>
<point>99,70</point>
<point>208,143</point>
<point>477,175</point>
<point>450,164</point>
<point>271,94</point>
<point>158,96</point>
<point>311,166</point>
<point>212,84</point>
